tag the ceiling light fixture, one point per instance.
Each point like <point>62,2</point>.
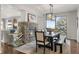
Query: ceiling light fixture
<point>50,15</point>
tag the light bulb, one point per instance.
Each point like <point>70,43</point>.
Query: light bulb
<point>50,16</point>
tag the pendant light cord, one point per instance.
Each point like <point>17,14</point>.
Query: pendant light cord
<point>51,10</point>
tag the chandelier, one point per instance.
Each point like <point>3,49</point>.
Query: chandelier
<point>50,15</point>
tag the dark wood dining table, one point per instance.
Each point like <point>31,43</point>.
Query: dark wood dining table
<point>51,36</point>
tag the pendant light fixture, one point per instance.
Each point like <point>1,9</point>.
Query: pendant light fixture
<point>50,15</point>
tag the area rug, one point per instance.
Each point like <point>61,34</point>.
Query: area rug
<point>27,48</point>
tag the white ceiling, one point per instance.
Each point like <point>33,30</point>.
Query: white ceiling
<point>57,8</point>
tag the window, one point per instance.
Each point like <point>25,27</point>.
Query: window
<point>61,24</point>
<point>50,21</point>
<point>51,24</point>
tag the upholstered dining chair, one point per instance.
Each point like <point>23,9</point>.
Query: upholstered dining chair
<point>41,40</point>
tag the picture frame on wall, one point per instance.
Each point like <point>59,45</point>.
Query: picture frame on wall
<point>31,18</point>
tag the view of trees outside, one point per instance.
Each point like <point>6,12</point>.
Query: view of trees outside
<point>61,24</point>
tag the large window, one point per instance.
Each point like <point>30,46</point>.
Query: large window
<point>61,24</point>
<point>50,21</point>
<point>51,24</point>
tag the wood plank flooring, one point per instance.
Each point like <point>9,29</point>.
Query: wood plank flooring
<point>8,49</point>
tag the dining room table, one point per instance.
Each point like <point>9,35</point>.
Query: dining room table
<point>51,37</point>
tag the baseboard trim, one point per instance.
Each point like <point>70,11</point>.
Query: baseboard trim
<point>72,40</point>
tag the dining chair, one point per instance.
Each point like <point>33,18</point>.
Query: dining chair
<point>60,43</point>
<point>41,40</point>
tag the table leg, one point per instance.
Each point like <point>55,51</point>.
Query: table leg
<point>61,48</point>
<point>55,48</point>
<point>58,36</point>
<point>51,40</point>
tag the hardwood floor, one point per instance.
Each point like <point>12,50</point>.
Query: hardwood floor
<point>74,49</point>
<point>8,49</point>
<point>78,48</point>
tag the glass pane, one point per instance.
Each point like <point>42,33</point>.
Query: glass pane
<point>51,24</point>
<point>61,24</point>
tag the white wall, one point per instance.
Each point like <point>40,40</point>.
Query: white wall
<point>0,28</point>
<point>41,22</point>
<point>0,22</point>
<point>71,23</point>
<point>9,11</point>
<point>78,26</point>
